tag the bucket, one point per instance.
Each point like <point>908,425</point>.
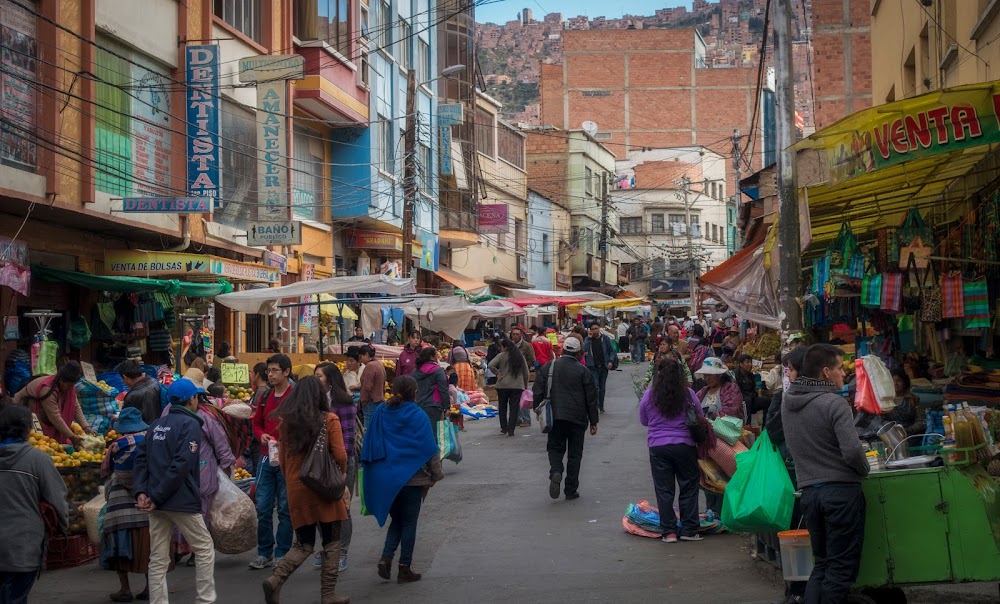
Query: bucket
<point>796,555</point>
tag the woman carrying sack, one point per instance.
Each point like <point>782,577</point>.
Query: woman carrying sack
<point>305,419</point>
<point>673,454</point>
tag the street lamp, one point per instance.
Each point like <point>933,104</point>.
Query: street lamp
<point>410,160</point>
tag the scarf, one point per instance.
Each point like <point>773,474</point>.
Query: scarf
<point>398,442</point>
<point>67,406</point>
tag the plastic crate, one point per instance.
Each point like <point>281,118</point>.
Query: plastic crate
<point>68,552</point>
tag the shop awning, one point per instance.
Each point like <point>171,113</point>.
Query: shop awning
<point>336,310</point>
<point>872,166</point>
<point>745,285</point>
<point>265,300</point>
<point>132,285</point>
<point>466,284</point>
<point>545,300</point>
<point>605,304</point>
<point>524,293</point>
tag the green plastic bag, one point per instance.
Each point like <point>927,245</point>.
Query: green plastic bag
<point>361,491</point>
<point>760,496</point>
<point>48,351</point>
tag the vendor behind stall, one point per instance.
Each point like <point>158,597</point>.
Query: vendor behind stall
<point>53,399</point>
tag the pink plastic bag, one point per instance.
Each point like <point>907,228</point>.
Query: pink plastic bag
<point>527,399</point>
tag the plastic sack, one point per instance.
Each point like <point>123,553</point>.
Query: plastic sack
<point>48,351</point>
<point>643,515</point>
<point>448,445</point>
<point>712,477</point>
<point>728,428</point>
<point>864,398</point>
<point>881,383</point>
<point>78,333</point>
<point>92,514</point>
<point>233,518</point>
<point>527,399</point>
<point>760,496</point>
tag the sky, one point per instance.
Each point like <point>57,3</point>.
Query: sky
<point>501,11</point>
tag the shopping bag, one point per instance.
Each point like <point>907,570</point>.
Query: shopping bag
<point>892,292</point>
<point>728,428</point>
<point>864,398</point>
<point>881,382</point>
<point>977,304</point>
<point>233,518</point>
<point>48,351</point>
<point>448,444</point>
<point>760,496</point>
<point>527,399</point>
<point>952,296</point>
<point>871,291</point>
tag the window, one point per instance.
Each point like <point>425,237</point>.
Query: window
<point>244,15</point>
<point>588,181</point>
<point>657,223</point>
<point>383,31</point>
<point>19,107</point>
<point>520,242</point>
<point>630,226</point>
<point>485,142</point>
<point>405,44</point>
<point>326,21</point>
<point>423,61</point>
<point>588,241</point>
<point>307,174</point>
<point>132,133</point>
<point>363,65</point>
<point>426,173</point>
<point>239,166</point>
<point>677,222</point>
<point>510,145</point>
<point>546,252</point>
<point>715,232</point>
<point>386,152</point>
<point>635,271</point>
<point>713,191</point>
<point>363,21</point>
<point>659,268</point>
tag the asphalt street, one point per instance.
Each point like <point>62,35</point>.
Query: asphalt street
<point>490,533</point>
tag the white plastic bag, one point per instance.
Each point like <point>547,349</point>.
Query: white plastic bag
<point>881,381</point>
<point>233,518</point>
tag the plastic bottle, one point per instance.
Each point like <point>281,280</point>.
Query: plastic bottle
<point>963,431</point>
<point>978,434</point>
<point>948,433</point>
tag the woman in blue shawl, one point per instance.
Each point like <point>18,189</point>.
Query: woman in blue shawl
<point>401,462</point>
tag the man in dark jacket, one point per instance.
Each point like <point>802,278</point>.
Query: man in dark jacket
<point>573,399</point>
<point>599,354</point>
<point>829,465</point>
<point>144,393</point>
<point>167,486</point>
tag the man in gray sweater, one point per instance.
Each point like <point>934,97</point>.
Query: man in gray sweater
<point>830,463</point>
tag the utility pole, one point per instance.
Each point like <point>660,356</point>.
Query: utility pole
<point>409,170</point>
<point>604,230</point>
<point>789,262</point>
<point>737,157</point>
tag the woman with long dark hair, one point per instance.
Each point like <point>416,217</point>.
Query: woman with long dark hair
<point>401,463</point>
<point>673,454</point>
<point>303,415</point>
<point>432,384</point>
<point>342,404</point>
<point>512,379</point>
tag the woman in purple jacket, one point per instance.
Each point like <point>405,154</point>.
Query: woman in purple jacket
<point>673,455</point>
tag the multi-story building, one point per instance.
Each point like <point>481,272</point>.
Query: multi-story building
<point>566,166</point>
<point>548,223</point>
<point>368,165</point>
<point>647,89</point>
<point>526,16</point>
<point>843,54</point>
<point>675,218</point>
<point>173,114</point>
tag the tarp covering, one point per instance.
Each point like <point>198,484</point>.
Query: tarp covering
<point>132,285</point>
<point>546,293</point>
<point>265,300</point>
<point>466,284</point>
<point>606,304</point>
<point>744,284</point>
<point>545,300</point>
<point>449,314</point>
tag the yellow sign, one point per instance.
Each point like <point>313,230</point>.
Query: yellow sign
<point>141,264</point>
<point>235,373</point>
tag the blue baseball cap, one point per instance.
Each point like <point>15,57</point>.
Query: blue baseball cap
<point>182,390</point>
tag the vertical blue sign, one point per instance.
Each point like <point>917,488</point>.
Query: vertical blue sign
<point>203,104</point>
<point>445,145</point>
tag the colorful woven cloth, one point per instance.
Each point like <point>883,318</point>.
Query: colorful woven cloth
<point>892,292</point>
<point>952,296</point>
<point>977,304</point>
<point>871,291</point>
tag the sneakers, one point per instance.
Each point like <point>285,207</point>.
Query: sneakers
<point>318,561</point>
<point>692,538</point>
<point>572,496</point>
<point>261,562</point>
<point>555,482</point>
<point>343,563</point>
<point>671,538</point>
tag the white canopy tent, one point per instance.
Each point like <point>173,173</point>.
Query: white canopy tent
<point>265,300</point>
<point>544,293</point>
<point>450,315</point>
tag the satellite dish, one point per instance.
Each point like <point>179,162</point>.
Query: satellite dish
<point>590,128</point>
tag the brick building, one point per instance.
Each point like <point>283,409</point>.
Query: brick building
<point>842,58</point>
<point>646,89</point>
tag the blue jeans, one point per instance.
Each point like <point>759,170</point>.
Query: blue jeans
<point>404,512</point>
<point>14,587</point>
<point>368,410</point>
<point>638,351</point>
<point>601,382</point>
<point>271,491</point>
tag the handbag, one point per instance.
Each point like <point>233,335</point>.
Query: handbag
<point>930,303</point>
<point>892,292</point>
<point>320,473</point>
<point>871,290</point>
<point>699,433</point>
<point>544,409</point>
<point>952,296</point>
<point>728,428</point>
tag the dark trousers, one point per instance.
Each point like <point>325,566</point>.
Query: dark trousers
<point>835,517</point>
<point>329,532</point>
<point>566,435</point>
<point>601,382</point>
<point>435,414</point>
<point>670,464</point>
<point>508,402</point>
<point>404,512</point>
<point>14,587</point>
